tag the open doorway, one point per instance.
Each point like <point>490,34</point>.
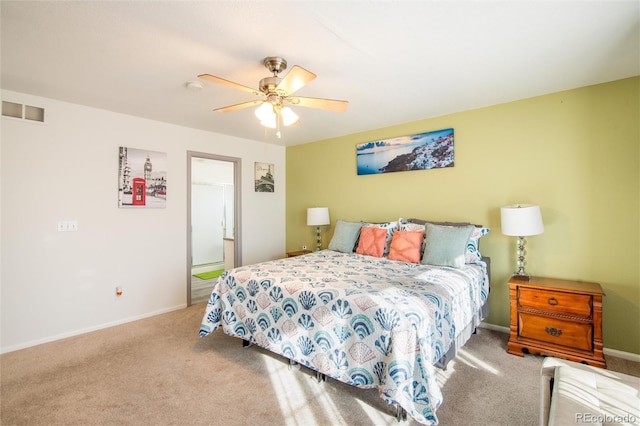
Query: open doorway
<point>213,221</point>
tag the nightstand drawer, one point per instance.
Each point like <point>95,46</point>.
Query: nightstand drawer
<point>554,301</point>
<point>556,331</point>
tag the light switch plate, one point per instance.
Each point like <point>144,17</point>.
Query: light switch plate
<point>67,226</point>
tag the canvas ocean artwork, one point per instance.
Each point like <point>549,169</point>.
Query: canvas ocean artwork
<point>422,151</point>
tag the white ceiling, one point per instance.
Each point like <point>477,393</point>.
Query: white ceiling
<point>395,62</point>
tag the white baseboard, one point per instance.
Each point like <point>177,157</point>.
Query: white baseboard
<point>89,329</point>
<point>613,352</point>
<point>621,354</point>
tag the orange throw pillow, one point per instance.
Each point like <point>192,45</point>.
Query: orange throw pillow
<point>372,241</point>
<point>405,246</point>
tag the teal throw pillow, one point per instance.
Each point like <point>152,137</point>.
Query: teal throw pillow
<point>446,245</point>
<point>345,236</point>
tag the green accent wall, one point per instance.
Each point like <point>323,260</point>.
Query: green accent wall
<point>575,153</point>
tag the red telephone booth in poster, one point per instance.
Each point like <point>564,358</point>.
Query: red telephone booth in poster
<point>139,192</point>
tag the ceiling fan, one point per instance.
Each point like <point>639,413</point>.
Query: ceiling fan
<point>276,94</point>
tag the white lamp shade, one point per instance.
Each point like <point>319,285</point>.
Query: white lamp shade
<point>318,216</point>
<point>270,123</point>
<point>288,116</point>
<point>521,220</point>
<point>266,115</point>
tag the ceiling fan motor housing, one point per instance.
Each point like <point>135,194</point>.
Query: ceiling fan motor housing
<point>275,64</point>
<point>269,84</point>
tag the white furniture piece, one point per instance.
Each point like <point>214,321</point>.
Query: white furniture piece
<point>573,393</point>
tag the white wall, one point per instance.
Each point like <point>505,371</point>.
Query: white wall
<point>57,284</point>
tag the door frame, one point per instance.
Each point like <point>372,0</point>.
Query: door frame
<point>237,235</point>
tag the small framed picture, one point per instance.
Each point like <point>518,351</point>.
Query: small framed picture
<point>264,177</point>
<point>142,178</point>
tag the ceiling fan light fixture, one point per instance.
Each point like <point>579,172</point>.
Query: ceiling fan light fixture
<point>270,122</point>
<point>265,112</point>
<point>288,116</point>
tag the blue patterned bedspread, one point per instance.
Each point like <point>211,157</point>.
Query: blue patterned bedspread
<point>369,322</point>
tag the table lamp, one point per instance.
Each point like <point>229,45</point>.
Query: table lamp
<point>317,216</point>
<point>521,220</point>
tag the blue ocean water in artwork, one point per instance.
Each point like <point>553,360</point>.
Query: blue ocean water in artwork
<point>370,164</point>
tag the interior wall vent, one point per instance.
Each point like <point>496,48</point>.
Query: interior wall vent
<point>22,112</point>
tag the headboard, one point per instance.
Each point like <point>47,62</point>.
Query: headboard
<point>422,222</point>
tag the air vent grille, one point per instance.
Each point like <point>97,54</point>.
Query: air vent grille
<point>22,112</point>
<point>10,109</point>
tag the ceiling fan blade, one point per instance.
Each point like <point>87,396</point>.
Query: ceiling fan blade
<point>330,104</point>
<point>294,80</point>
<point>239,106</point>
<point>219,80</point>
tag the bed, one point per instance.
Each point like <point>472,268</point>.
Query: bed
<point>365,320</point>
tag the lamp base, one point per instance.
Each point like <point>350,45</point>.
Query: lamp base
<point>521,274</point>
<point>318,242</point>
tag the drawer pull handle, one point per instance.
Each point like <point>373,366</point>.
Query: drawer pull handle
<point>553,331</point>
<point>552,301</point>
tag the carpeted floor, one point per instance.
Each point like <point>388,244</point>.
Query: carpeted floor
<point>158,371</point>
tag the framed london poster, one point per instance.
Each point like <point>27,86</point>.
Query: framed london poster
<point>142,178</point>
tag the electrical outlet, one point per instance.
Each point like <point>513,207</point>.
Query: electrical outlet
<point>304,247</point>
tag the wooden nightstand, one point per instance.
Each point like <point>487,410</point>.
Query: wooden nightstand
<point>297,253</point>
<point>561,318</point>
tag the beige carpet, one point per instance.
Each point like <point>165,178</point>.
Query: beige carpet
<point>158,371</point>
